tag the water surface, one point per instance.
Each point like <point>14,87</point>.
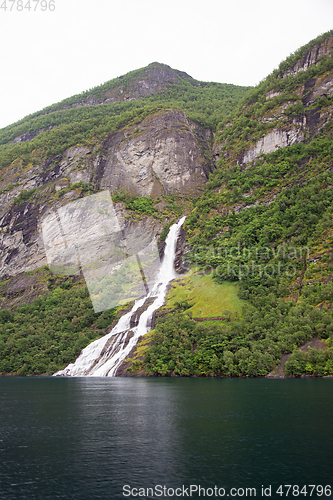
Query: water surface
<point>85,438</point>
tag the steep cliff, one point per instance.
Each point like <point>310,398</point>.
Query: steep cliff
<point>252,168</point>
<point>290,106</point>
<point>111,138</point>
<point>162,155</point>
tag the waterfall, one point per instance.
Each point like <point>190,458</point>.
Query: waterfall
<point>102,357</point>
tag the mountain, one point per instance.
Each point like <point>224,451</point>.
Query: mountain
<point>130,136</point>
<point>252,170</point>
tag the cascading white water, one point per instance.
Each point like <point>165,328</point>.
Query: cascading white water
<point>102,357</point>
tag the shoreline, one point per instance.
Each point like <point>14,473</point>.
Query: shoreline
<point>268,377</point>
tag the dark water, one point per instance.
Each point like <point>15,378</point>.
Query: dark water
<point>86,438</point>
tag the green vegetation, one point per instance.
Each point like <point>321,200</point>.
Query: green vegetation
<point>84,187</point>
<point>60,127</point>
<point>87,126</point>
<point>166,229</point>
<point>269,228</point>
<point>145,205</point>
<point>314,362</point>
<point>275,102</point>
<point>297,212</point>
<point>24,196</point>
<point>44,336</point>
<point>301,52</point>
<point>205,297</point>
<point>270,249</point>
<point>141,205</point>
<point>248,346</point>
<point>180,346</point>
<point>259,237</point>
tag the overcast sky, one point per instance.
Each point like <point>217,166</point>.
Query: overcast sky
<point>48,56</point>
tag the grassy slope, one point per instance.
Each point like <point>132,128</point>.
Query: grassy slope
<point>31,345</point>
<point>287,203</point>
<point>207,298</point>
<point>281,313</point>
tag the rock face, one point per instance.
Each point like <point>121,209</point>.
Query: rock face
<point>21,240</point>
<point>180,265</point>
<point>163,154</point>
<point>311,57</point>
<point>272,141</point>
<point>155,78</point>
<point>287,130</point>
<point>30,135</point>
<point>21,247</point>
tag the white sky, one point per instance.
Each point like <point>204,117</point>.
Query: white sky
<point>48,56</point>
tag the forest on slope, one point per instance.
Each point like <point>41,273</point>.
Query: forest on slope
<point>76,121</point>
<point>262,225</point>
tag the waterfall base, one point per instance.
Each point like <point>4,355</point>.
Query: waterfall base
<point>104,356</point>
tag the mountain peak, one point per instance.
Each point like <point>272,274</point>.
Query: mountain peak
<point>149,80</point>
<point>166,72</point>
